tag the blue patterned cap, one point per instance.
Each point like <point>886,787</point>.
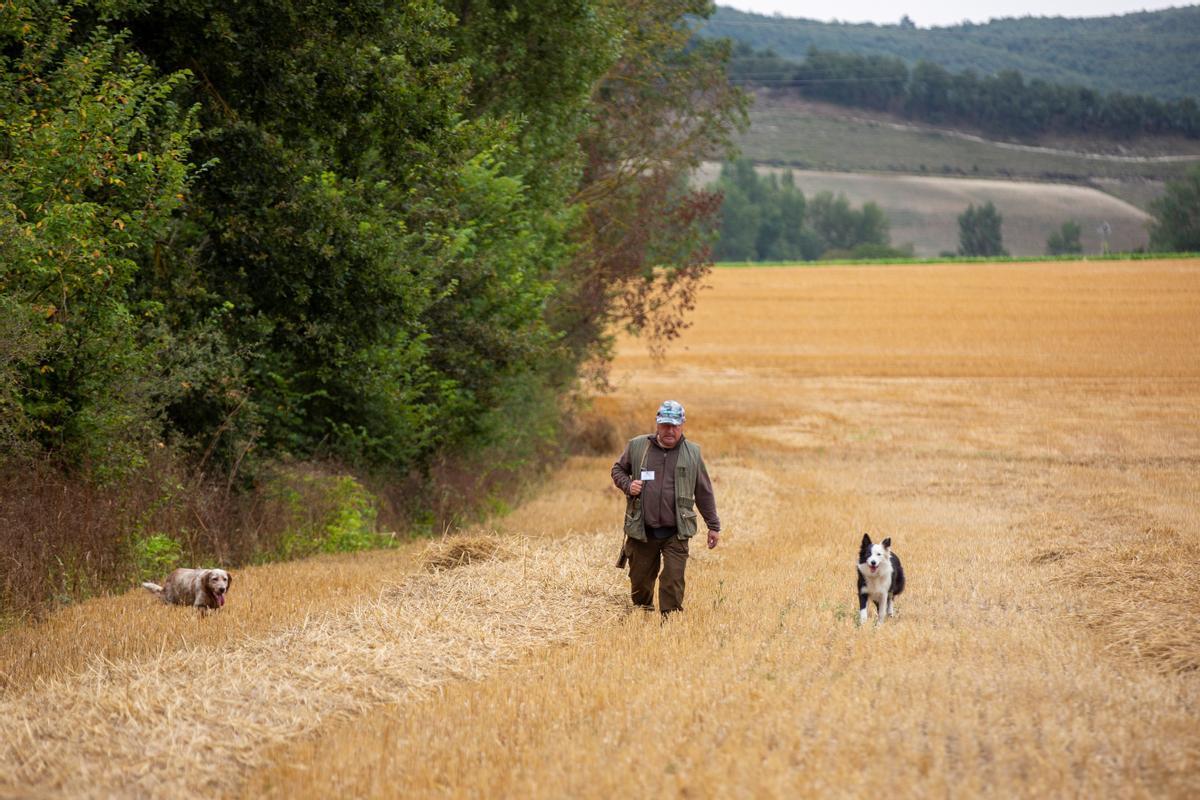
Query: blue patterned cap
<point>670,413</point>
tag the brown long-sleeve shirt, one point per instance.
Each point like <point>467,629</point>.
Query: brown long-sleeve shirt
<point>658,495</point>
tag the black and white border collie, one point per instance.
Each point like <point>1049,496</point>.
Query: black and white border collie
<point>880,579</point>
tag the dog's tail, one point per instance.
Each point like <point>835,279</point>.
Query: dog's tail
<point>154,587</point>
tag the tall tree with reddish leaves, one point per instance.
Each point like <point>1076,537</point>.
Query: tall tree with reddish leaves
<point>664,107</point>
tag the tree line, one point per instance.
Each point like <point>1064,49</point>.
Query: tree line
<point>377,232</point>
<point>1003,104</point>
<point>767,218</point>
<point>1152,53</point>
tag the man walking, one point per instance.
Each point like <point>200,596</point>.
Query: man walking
<point>665,482</point>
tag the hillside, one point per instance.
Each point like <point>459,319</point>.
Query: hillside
<point>923,177</point>
<point>923,211</point>
<point>801,133</point>
<point>1108,54</point>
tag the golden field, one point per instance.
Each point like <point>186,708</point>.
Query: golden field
<point>1027,434</point>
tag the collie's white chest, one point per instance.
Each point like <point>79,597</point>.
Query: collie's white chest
<point>878,582</point>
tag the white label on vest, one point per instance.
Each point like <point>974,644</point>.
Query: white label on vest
<point>647,474</point>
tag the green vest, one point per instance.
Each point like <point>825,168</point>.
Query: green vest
<point>687,470</point>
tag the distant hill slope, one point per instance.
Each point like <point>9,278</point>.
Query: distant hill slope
<point>811,135</point>
<point>1155,53</point>
<point>923,211</point>
<point>924,177</point>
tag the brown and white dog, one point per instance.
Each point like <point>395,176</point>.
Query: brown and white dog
<point>202,588</point>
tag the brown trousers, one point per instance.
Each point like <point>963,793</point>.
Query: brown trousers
<point>645,558</point>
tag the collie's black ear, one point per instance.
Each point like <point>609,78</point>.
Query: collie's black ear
<point>887,542</point>
<point>866,539</point>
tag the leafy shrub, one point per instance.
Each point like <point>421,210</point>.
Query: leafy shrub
<point>870,251</point>
<point>1065,240</point>
<point>329,514</point>
<point>350,524</point>
<point>93,165</point>
<point>154,556</point>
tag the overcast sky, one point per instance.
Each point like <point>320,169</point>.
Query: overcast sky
<point>930,13</point>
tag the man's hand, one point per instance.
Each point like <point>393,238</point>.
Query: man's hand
<point>635,488</point>
<point>713,538</point>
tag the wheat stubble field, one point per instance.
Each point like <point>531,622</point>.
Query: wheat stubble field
<point>1027,434</point>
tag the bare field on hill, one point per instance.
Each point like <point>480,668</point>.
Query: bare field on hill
<point>923,211</point>
<point>1028,435</point>
<point>923,177</point>
<point>827,137</point>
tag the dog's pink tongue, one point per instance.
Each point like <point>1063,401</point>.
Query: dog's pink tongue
<point>220,600</point>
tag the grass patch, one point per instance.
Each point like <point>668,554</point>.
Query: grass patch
<point>154,556</point>
<point>328,514</point>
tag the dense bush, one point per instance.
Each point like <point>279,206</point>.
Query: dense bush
<point>871,252</point>
<point>392,240</point>
<point>94,163</point>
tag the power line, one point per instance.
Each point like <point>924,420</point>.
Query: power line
<point>802,22</point>
<point>794,81</point>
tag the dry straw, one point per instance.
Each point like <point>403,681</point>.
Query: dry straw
<point>451,552</point>
<point>195,720</point>
<point>1142,597</point>
<point>1026,434</point>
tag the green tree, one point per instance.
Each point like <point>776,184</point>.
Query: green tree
<point>412,223</point>
<point>323,225</point>
<point>769,219</point>
<point>979,231</point>
<point>1176,225</point>
<point>387,211</point>
<point>1065,240</point>
<point>795,240</point>
<point>738,234</point>
<point>94,162</point>
<point>840,227</point>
